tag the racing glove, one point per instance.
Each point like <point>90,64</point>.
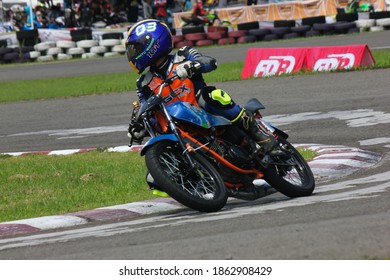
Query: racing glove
<point>136,131</point>
<point>185,70</point>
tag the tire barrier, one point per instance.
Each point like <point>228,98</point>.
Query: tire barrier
<point>3,44</point>
<point>312,20</point>
<point>216,35</point>
<point>81,34</point>
<point>27,37</point>
<point>195,36</point>
<point>385,22</point>
<point>379,15</point>
<point>226,41</point>
<point>217,29</point>
<point>205,42</point>
<point>112,43</point>
<point>112,35</point>
<point>284,23</point>
<point>351,17</point>
<point>246,39</point>
<point>177,38</point>
<point>248,25</point>
<point>301,30</point>
<point>280,31</point>
<point>192,29</point>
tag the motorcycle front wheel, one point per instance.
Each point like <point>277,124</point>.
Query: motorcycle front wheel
<point>198,186</point>
<point>290,174</point>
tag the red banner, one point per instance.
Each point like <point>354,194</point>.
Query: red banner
<point>269,62</point>
<point>341,57</point>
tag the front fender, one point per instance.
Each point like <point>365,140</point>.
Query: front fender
<point>152,141</point>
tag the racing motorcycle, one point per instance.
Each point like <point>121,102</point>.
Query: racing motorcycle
<point>200,159</point>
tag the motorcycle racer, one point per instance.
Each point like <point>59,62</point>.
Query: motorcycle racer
<point>148,48</point>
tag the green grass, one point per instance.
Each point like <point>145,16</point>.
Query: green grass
<point>120,82</point>
<point>38,185</point>
<point>90,85</point>
<point>41,185</point>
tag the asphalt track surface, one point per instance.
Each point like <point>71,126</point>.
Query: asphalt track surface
<point>347,218</point>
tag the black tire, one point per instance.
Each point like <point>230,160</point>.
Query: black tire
<point>299,181</point>
<point>27,37</point>
<point>280,31</point>
<point>353,30</point>
<point>312,20</point>
<point>343,27</point>
<point>351,17</point>
<point>284,23</point>
<point>248,25</point>
<point>81,34</point>
<point>246,39</point>
<point>301,29</point>
<point>291,35</point>
<point>166,164</point>
<point>259,33</point>
<point>312,33</point>
<point>11,57</point>
<point>112,35</point>
<point>192,29</point>
<point>379,15</point>
<point>323,27</point>
<point>3,44</point>
<point>4,51</point>
<point>270,37</point>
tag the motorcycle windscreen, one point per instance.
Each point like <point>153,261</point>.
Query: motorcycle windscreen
<point>187,112</point>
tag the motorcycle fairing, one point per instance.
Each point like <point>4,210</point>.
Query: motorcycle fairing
<point>187,112</point>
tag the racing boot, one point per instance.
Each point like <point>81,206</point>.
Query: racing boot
<point>154,188</point>
<point>266,143</point>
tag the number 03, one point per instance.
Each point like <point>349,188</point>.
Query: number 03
<point>147,27</point>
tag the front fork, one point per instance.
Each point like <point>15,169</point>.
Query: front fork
<point>186,148</point>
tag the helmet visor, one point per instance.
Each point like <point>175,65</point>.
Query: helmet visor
<point>132,50</point>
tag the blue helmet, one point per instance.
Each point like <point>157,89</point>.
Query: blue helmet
<point>147,41</point>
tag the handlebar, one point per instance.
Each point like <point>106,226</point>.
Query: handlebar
<point>170,80</point>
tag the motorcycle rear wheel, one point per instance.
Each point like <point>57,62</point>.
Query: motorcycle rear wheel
<point>199,187</point>
<point>293,180</point>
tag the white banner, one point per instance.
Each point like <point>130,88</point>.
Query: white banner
<point>196,270</point>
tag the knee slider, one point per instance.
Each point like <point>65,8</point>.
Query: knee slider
<point>217,97</point>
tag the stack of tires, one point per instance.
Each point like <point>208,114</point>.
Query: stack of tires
<point>284,29</point>
<point>19,53</point>
<point>219,35</point>
<point>242,34</point>
<point>81,46</point>
<point>110,44</point>
<point>380,20</point>
<point>197,36</point>
<point>346,23</point>
<point>317,26</point>
<point>15,54</point>
<point>192,36</point>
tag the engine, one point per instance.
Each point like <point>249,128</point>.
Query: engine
<point>237,156</point>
